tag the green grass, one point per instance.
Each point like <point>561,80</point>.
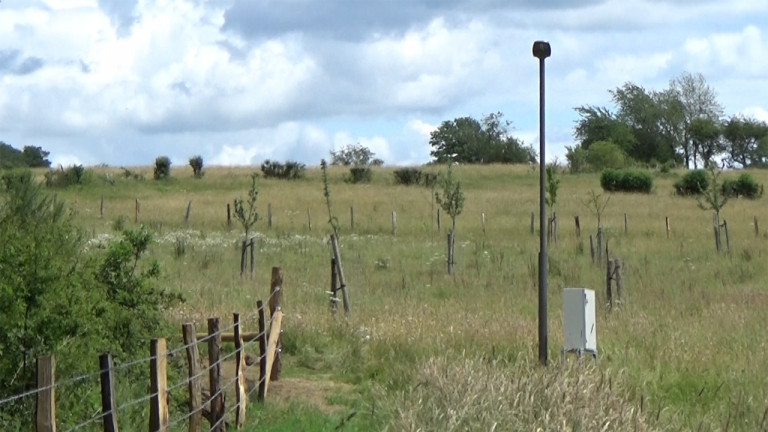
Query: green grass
<point>683,352</point>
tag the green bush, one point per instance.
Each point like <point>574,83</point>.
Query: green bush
<point>605,154</point>
<point>162,168</point>
<point>408,176</point>
<point>360,174</point>
<point>74,175</point>
<point>288,171</point>
<point>626,180</point>
<point>694,182</point>
<point>196,162</point>
<point>744,186</point>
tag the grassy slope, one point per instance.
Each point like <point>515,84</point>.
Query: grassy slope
<point>687,346</point>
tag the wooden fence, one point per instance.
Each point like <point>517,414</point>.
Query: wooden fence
<point>208,404</point>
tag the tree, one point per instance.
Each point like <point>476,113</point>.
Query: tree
<point>245,211</point>
<point>705,137</point>
<point>605,154</point>
<point>467,140</point>
<point>452,202</point>
<point>746,142</point>
<point>162,168</point>
<point>355,155</point>
<point>196,162</point>
<point>599,124</point>
<point>35,157</point>
<point>697,101</point>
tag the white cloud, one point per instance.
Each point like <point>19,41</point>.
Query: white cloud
<point>236,155</point>
<point>756,112</point>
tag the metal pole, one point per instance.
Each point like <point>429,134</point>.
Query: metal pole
<point>542,50</point>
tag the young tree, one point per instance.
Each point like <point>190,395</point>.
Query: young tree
<point>162,168</point>
<point>452,202</point>
<point>245,211</point>
<point>196,162</point>
<point>553,184</point>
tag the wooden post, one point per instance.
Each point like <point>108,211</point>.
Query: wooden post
<point>438,221</point>
<point>242,258</point>
<point>136,218</point>
<point>101,208</point>
<point>617,278</point>
<point>46,396</point>
<point>195,380</point>
<point>482,220</point>
<point>716,227</point>
<point>450,241</point>
<point>229,217</point>
<point>158,386</point>
<point>189,209</point>
<point>351,218</point>
<point>578,226</point>
<point>275,305</point>
<point>241,397</point>
<point>626,224</point>
<point>269,215</point>
<point>214,376</point>
<point>340,269</point>
<point>309,220</point>
<point>394,222</point>
<point>555,227</point>
<point>608,278</point>
<point>757,228</point>
<point>252,245</point>
<point>666,223</point>
<point>274,334</point>
<point>108,403</point>
<point>727,237</point>
<point>592,248</point>
<point>262,351</point>
<point>600,247</point>
<point>334,286</point>
<point>533,222</point>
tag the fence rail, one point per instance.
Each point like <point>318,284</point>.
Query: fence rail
<point>202,404</point>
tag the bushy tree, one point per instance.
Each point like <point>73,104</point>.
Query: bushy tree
<point>355,155</point>
<point>162,168</point>
<point>467,140</point>
<point>36,157</point>
<point>605,154</point>
<point>196,162</point>
<point>746,141</point>
<point>245,210</point>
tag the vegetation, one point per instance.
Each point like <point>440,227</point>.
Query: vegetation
<point>467,140</point>
<point>74,175</point>
<point>196,162</point>
<point>28,157</point>
<point>744,186</point>
<point>289,170</point>
<point>693,182</point>
<point>162,168</point>
<point>245,210</point>
<point>626,180</point>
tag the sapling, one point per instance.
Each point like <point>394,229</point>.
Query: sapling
<point>452,202</point>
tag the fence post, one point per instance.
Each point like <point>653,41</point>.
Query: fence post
<point>592,248</point>
<point>608,279</point>
<point>214,376</point>
<point>342,280</point>
<point>351,218</point>
<point>716,228</point>
<point>275,305</point>
<point>195,380</point>
<point>666,223</point>
<point>46,397</point>
<point>136,219</point>
<point>252,245</point>
<point>578,226</point>
<point>438,221</point>
<point>394,222</point>
<point>189,209</point>
<point>626,224</point>
<point>450,241</point>
<point>309,220</point>
<point>242,258</point>
<point>482,219</point>
<point>757,228</point>
<point>334,286</point>
<point>262,351</point>
<point>229,217</point>
<point>533,222</point>
<point>101,208</point>
<point>241,398</point>
<point>727,237</point>
<point>108,403</point>
<point>158,386</point>
<point>617,278</point>
<point>269,215</point>
<point>600,247</point>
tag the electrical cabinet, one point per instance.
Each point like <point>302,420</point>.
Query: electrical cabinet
<point>579,321</point>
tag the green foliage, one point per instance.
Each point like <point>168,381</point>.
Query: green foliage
<point>29,157</point>
<point>332,220</point>
<point>132,175</point>
<point>359,174</point>
<point>605,154</point>
<point>196,162</point>
<point>577,159</point>
<point>35,157</point>
<point>245,211</point>
<point>553,184</point>
<point>467,140</point>
<point>626,180</point>
<point>452,198</point>
<point>744,186</point>
<point>712,197</point>
<point>596,203</point>
<point>74,175</point>
<point>408,176</point>
<point>162,168</point>
<point>746,142</point>
<point>288,171</point>
<point>355,155</point>
<point>693,182</point>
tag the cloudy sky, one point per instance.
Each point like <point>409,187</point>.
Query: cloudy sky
<point>238,81</point>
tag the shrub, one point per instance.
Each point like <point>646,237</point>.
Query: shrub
<point>162,167</point>
<point>76,174</point>
<point>692,183</point>
<point>360,174</point>
<point>196,163</point>
<point>408,176</point>
<point>744,186</point>
<point>606,154</point>
<point>577,159</point>
<point>288,171</point>
<point>613,180</point>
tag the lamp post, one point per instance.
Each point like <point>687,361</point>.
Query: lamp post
<point>542,50</point>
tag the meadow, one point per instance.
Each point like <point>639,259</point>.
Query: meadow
<point>422,350</point>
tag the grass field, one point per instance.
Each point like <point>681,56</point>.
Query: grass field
<point>422,350</point>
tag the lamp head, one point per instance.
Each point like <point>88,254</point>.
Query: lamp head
<point>541,50</point>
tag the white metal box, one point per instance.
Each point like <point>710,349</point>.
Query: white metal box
<point>579,321</point>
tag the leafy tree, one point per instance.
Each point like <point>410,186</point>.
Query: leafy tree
<point>705,137</point>
<point>245,211</point>
<point>598,124</point>
<point>699,103</point>
<point>162,168</point>
<point>35,157</point>
<point>355,155</point>
<point>605,154</point>
<point>577,159</point>
<point>467,140</point>
<point>452,202</point>
<point>746,141</point>
<point>196,162</point>
<point>712,197</point>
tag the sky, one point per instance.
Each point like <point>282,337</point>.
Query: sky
<point>121,82</point>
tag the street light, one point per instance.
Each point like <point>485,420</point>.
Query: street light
<point>542,50</point>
